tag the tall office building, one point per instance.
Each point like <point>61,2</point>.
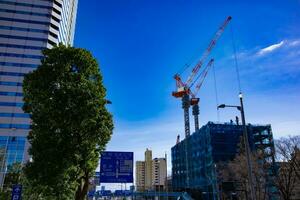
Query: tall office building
<point>26,28</point>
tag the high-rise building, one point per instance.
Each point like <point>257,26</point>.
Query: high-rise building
<point>140,175</point>
<point>150,174</point>
<point>159,173</point>
<point>195,159</point>
<point>148,169</point>
<point>26,28</point>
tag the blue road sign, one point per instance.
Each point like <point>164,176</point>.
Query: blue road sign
<point>116,167</point>
<point>16,192</point>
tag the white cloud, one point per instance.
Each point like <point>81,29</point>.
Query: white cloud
<point>294,43</point>
<point>271,48</point>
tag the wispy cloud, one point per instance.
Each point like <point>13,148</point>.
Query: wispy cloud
<point>271,48</point>
<point>294,43</point>
<point>284,44</point>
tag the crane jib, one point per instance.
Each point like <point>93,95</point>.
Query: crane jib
<point>207,51</point>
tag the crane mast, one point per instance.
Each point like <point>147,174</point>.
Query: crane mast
<point>194,99</point>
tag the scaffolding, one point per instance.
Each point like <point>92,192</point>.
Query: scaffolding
<point>213,143</point>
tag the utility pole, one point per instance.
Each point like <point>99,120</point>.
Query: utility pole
<point>247,148</point>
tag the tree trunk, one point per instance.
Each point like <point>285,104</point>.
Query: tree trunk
<point>82,189</point>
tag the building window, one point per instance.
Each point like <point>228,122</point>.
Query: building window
<point>24,21</point>
<point>24,12</point>
<point>24,4</point>
<point>15,104</point>
<point>23,38</point>
<point>16,126</point>
<point>10,83</point>
<point>24,29</point>
<point>18,94</point>
<point>18,64</point>
<point>20,55</point>
<point>21,46</point>
<point>21,115</point>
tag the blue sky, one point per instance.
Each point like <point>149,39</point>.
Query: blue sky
<point>141,44</point>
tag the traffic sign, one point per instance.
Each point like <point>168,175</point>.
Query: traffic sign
<point>16,192</point>
<point>116,167</point>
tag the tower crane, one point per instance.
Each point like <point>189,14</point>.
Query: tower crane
<point>183,88</point>
<point>194,100</point>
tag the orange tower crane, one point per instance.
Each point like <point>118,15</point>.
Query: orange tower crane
<point>183,89</point>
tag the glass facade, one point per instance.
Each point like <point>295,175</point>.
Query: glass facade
<point>26,28</point>
<point>11,151</point>
<point>194,159</point>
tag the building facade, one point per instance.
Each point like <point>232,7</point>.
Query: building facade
<point>214,143</point>
<point>140,175</point>
<point>26,28</point>
<point>159,173</point>
<point>148,169</point>
<point>151,174</point>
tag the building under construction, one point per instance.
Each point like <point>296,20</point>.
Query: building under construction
<point>214,143</point>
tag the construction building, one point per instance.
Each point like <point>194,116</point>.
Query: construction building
<point>151,174</point>
<point>214,143</point>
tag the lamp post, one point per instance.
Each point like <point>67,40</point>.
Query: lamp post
<point>247,148</point>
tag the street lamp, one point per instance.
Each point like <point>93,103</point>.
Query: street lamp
<point>223,106</point>
<point>245,136</point>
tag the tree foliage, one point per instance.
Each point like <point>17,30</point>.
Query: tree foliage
<point>70,123</point>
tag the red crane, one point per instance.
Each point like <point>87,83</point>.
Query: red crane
<point>194,100</point>
<point>183,89</point>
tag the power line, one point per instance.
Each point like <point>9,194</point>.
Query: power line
<point>216,92</point>
<point>235,60</point>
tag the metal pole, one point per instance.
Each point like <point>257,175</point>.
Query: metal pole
<point>247,148</point>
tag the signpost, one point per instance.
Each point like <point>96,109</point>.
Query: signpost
<point>116,167</point>
<point>16,192</point>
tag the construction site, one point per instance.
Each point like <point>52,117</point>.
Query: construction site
<point>197,157</point>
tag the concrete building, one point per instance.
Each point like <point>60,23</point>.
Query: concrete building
<point>150,174</point>
<point>194,159</point>
<point>26,28</point>
<point>159,174</point>
<point>140,175</point>
<point>148,169</point>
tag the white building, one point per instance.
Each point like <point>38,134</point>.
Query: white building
<point>159,174</point>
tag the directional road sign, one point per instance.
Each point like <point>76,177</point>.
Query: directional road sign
<point>116,167</point>
<point>16,192</point>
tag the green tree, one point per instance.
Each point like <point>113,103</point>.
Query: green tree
<point>70,123</point>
